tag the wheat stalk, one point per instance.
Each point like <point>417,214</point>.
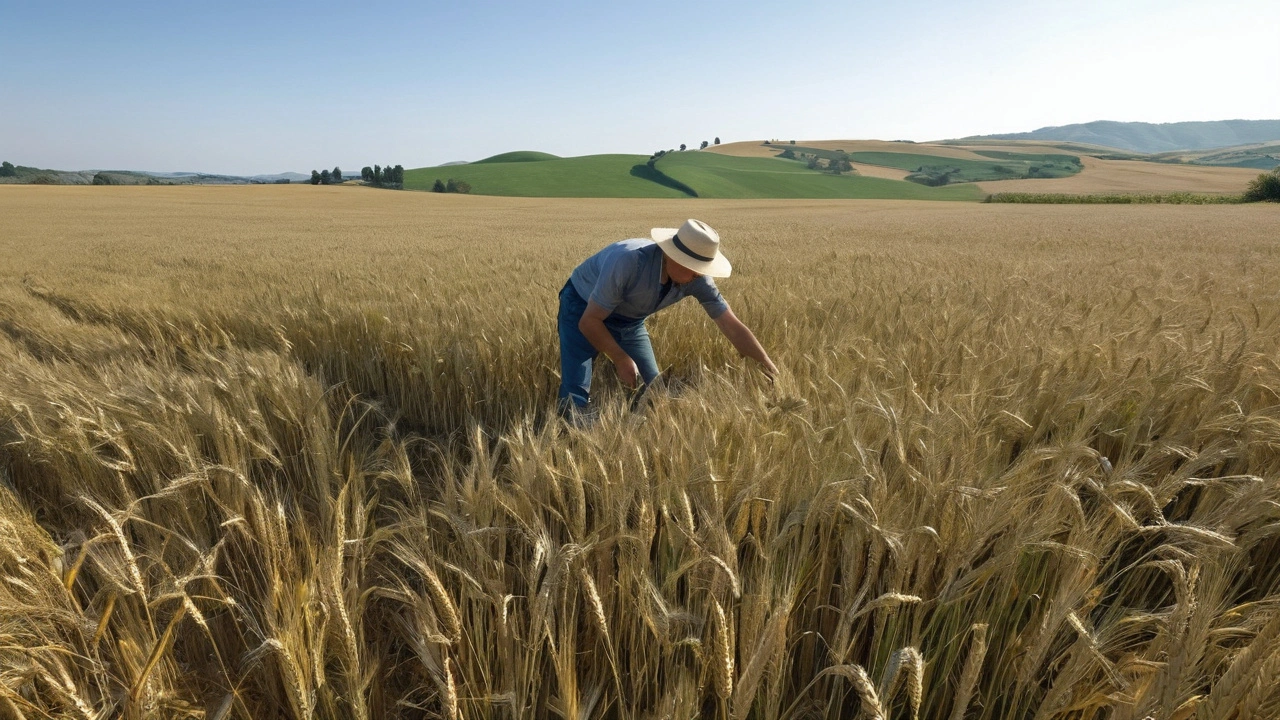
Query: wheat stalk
<point>972,669</point>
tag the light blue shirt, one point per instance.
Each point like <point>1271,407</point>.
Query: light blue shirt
<point>625,278</point>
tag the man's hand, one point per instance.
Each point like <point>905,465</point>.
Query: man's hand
<point>771,371</point>
<point>592,328</point>
<point>628,373</point>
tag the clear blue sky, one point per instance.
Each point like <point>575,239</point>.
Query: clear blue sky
<point>248,87</point>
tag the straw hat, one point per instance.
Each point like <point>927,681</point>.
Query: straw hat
<point>695,246</point>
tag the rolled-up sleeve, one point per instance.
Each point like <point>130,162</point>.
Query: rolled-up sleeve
<point>705,290</point>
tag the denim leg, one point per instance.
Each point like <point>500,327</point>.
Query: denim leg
<point>576,352</point>
<point>634,339</point>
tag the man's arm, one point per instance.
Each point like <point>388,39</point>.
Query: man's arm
<point>592,328</point>
<point>745,341</point>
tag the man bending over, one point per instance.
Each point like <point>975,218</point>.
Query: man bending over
<point>607,298</point>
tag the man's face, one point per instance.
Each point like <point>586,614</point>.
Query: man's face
<point>680,274</point>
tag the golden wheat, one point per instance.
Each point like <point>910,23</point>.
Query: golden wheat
<point>291,452</point>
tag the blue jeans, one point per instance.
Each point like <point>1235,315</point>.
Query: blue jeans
<point>577,353</point>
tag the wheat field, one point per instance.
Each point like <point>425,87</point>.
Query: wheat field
<point>277,452</point>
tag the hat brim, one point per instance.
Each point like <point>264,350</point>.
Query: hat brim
<point>717,267</point>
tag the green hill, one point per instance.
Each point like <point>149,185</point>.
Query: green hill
<point>586,176</point>
<point>713,175</point>
<point>519,156</point>
<point>931,169</point>
<point>675,175</point>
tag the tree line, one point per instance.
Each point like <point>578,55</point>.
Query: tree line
<point>379,176</point>
<point>376,175</point>
<point>654,157</point>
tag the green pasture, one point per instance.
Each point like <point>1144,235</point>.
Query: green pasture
<point>519,156</point>
<point>586,176</point>
<point>680,174</point>
<point>713,175</point>
<point>932,169</point>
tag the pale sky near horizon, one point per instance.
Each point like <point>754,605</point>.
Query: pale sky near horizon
<point>246,87</point>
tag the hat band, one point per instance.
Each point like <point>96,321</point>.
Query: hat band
<point>676,239</point>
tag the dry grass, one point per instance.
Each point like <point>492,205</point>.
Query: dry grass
<point>285,452</point>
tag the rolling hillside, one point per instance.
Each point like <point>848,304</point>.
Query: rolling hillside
<point>680,174</point>
<point>527,176</point>
<point>1104,170</point>
<point>715,175</point>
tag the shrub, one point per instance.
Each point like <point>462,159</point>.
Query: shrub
<point>457,186</point>
<point>1264,188</point>
<point>930,178</point>
<point>103,179</point>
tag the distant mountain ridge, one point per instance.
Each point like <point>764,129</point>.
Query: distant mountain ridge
<point>1154,137</point>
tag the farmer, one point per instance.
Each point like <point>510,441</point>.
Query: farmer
<point>608,296</point>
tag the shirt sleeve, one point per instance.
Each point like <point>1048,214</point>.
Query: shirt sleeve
<point>705,290</point>
<point>615,277</point>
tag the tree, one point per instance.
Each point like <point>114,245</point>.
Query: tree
<point>315,178</point>
<point>813,162</point>
<point>366,173</point>
<point>325,177</point>
<point>704,145</point>
<point>1265,187</point>
<point>397,175</point>
<point>337,174</point>
<point>451,185</point>
<point>682,147</point>
<point>717,139</point>
<point>8,170</point>
<point>439,186</point>
<point>840,163</point>
<point>377,174</point>
<point>462,186</point>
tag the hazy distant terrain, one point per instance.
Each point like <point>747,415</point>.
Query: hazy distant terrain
<point>1155,138</point>
<point>42,176</point>
<point>1219,157</point>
